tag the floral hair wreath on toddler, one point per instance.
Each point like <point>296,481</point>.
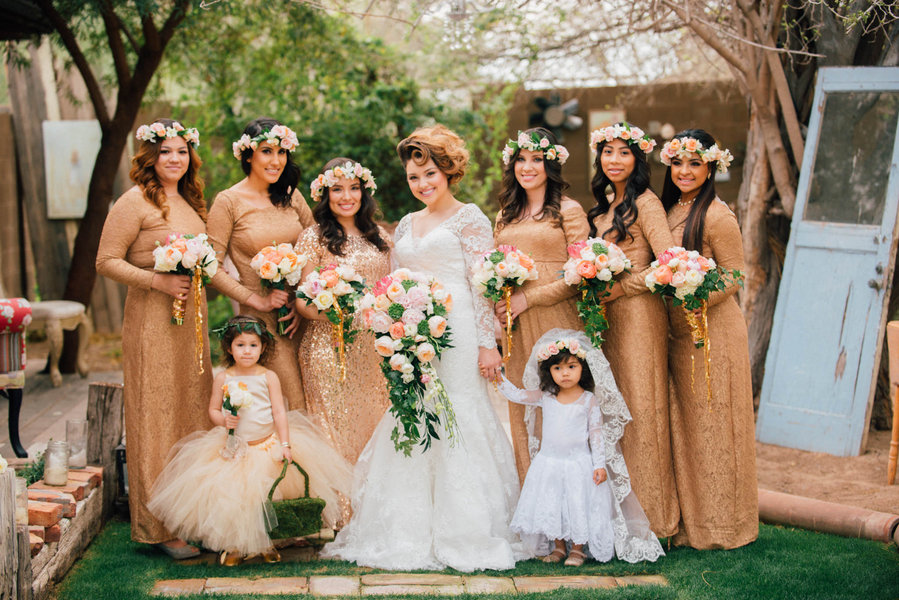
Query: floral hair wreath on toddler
<point>157,131</point>
<point>246,325</point>
<point>279,136</point>
<point>348,170</point>
<point>535,143</point>
<point>683,147</point>
<point>624,131</point>
<point>550,349</point>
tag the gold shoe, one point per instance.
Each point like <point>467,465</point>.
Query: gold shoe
<point>230,559</point>
<point>271,555</point>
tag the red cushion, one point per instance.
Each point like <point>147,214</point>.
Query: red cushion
<point>15,315</point>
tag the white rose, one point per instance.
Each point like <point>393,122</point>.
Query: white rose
<point>588,254</point>
<point>693,278</point>
<point>397,361</point>
<point>384,346</point>
<point>616,265</point>
<point>324,300</point>
<point>342,288</point>
<point>571,277</point>
<point>604,275</point>
<point>212,267</point>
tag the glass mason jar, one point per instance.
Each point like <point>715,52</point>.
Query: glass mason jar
<point>76,438</point>
<point>21,501</point>
<point>56,463</point>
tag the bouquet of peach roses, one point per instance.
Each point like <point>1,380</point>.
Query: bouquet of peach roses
<point>278,266</point>
<point>407,313</point>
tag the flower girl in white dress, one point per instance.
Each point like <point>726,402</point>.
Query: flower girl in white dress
<point>577,489</point>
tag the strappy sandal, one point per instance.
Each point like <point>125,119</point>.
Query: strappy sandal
<point>556,556</point>
<point>230,559</point>
<point>575,558</point>
<point>271,555</point>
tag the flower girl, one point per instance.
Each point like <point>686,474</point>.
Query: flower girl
<point>214,486</point>
<point>577,489</point>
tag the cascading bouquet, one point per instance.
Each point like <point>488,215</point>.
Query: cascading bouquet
<point>407,312</point>
<point>335,290</point>
<point>278,266</point>
<point>236,396</point>
<point>592,266</point>
<point>192,255</point>
<point>687,277</point>
<point>500,271</point>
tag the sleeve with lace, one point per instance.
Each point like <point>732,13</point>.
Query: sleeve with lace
<point>722,233</point>
<point>123,224</point>
<point>298,202</point>
<point>476,236</point>
<point>653,221</point>
<point>576,228</point>
<point>309,245</point>
<point>597,441</point>
<point>219,226</point>
<point>518,395</point>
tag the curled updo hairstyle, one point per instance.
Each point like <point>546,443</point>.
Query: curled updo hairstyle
<point>331,232</point>
<point>548,385</point>
<point>625,213</point>
<point>695,223</point>
<point>437,143</point>
<point>513,200</point>
<point>281,191</point>
<point>143,173</point>
<point>245,324</point>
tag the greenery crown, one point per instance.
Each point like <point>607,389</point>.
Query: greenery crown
<point>245,325</point>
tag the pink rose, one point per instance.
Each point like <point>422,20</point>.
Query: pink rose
<point>677,280</point>
<point>397,330</point>
<point>381,322</point>
<point>574,250</point>
<point>412,316</point>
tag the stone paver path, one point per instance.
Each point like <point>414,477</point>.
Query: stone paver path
<point>395,583</point>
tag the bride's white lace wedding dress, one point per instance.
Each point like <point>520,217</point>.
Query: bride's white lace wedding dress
<point>451,505</point>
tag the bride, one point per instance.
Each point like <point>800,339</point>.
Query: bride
<point>449,506</point>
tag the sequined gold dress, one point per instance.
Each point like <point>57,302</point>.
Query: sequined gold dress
<point>714,450</point>
<point>637,348</point>
<point>349,411</point>
<point>239,229</point>
<point>551,302</point>
<point>165,397</point>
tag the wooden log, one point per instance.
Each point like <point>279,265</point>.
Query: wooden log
<point>24,574</point>
<point>105,418</point>
<point>8,535</point>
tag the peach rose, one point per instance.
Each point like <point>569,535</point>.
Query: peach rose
<point>691,145</point>
<point>395,290</point>
<point>437,326</point>
<point>268,270</point>
<point>586,269</point>
<point>601,260</point>
<point>330,277</point>
<point>397,330</point>
<point>662,274</point>
<point>425,352</point>
<point>384,346</point>
<point>382,302</point>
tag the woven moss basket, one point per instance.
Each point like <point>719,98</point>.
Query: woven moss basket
<point>296,516</point>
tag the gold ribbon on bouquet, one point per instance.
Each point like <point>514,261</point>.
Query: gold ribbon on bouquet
<point>337,330</point>
<point>198,321</point>
<point>699,331</point>
<point>507,296</point>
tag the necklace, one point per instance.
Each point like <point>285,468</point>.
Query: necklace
<point>687,203</point>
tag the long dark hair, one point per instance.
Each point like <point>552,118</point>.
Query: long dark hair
<point>695,224</point>
<point>331,232</point>
<point>281,191</point>
<point>548,384</point>
<point>625,213</point>
<point>513,200</point>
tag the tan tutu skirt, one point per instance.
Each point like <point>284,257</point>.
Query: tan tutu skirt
<point>205,498</point>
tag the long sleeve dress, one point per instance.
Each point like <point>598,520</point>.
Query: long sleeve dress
<point>165,397</point>
<point>551,302</point>
<point>714,449</point>
<point>239,229</point>
<point>348,412</point>
<point>637,348</point>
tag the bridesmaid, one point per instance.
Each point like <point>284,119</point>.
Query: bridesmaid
<point>165,398</point>
<point>714,447</point>
<point>637,340</point>
<point>262,208</point>
<point>345,234</point>
<point>540,221</point>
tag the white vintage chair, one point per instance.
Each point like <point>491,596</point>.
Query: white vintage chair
<point>54,316</point>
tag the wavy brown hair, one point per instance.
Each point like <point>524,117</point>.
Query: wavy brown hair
<point>437,143</point>
<point>143,173</point>
<point>245,324</point>
<point>513,200</point>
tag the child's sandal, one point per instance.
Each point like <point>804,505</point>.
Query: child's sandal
<point>230,559</point>
<point>271,555</point>
<point>575,558</point>
<point>556,556</point>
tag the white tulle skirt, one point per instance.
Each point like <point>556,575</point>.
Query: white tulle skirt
<point>202,497</point>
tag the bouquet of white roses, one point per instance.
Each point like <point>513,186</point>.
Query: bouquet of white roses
<point>278,266</point>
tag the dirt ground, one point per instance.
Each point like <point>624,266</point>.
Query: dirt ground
<point>856,481</point>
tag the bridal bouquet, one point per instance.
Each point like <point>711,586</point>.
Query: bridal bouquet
<point>278,266</point>
<point>592,266</point>
<point>335,290</point>
<point>500,270</point>
<point>187,254</point>
<point>236,396</point>
<point>407,312</point>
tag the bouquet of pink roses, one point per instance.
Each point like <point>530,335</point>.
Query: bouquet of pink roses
<point>278,266</point>
<point>407,312</point>
<point>592,266</point>
<point>500,271</point>
<point>334,290</point>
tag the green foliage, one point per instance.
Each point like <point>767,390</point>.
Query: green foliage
<point>219,313</point>
<point>33,471</point>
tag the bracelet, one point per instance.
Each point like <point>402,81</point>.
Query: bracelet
<point>285,444</point>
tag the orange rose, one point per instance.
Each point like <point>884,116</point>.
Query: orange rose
<point>586,269</point>
<point>601,261</point>
<point>662,274</point>
<point>330,277</point>
<point>526,261</point>
<point>397,330</point>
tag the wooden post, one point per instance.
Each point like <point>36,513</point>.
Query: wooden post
<point>8,554</point>
<point>105,424</point>
<point>893,347</point>
<point>24,574</point>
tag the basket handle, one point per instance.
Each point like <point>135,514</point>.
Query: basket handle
<point>284,472</point>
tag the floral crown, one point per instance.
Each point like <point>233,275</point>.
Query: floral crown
<point>571,345</point>
<point>158,131</point>
<point>535,143</point>
<point>279,135</point>
<point>634,136</point>
<point>683,147</point>
<point>245,325</point>
<point>348,170</point>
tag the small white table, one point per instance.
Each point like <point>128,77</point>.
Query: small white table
<point>55,316</point>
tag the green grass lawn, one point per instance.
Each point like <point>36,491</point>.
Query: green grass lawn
<point>783,563</point>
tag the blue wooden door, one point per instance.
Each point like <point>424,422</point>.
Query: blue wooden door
<point>821,368</point>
